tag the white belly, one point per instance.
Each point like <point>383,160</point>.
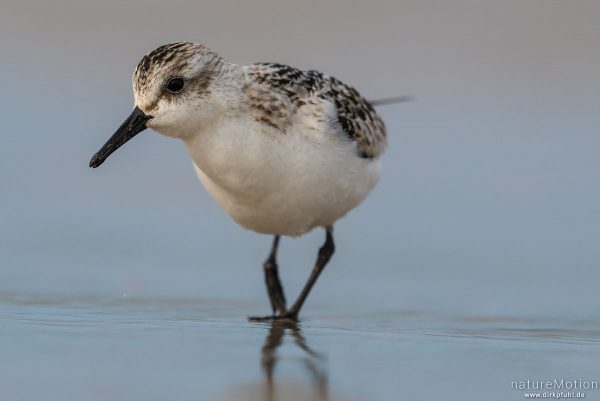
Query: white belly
<point>283,184</point>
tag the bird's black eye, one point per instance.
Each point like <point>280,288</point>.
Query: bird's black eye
<point>175,85</point>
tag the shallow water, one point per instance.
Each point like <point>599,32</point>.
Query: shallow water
<point>134,348</point>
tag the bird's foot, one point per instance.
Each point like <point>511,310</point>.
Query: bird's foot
<point>288,316</point>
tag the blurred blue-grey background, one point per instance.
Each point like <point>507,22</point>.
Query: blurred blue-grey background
<point>483,231</point>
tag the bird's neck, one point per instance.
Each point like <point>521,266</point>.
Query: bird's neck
<point>229,145</point>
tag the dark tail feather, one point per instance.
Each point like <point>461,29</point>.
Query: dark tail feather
<point>391,100</point>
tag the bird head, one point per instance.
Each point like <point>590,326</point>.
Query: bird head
<point>173,89</point>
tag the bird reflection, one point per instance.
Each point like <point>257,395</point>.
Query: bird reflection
<point>312,361</point>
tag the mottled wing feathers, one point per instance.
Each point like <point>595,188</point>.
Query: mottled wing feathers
<point>358,119</point>
<point>356,116</point>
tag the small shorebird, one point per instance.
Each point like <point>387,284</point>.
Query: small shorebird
<point>282,150</point>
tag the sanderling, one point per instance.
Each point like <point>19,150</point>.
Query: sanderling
<point>282,150</point>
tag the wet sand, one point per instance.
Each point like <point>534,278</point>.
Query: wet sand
<point>192,349</point>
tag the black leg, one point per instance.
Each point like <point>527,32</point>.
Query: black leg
<point>325,253</point>
<point>274,288</point>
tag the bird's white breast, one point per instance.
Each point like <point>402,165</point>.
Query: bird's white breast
<point>281,183</point>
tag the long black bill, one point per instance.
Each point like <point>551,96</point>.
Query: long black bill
<point>135,123</point>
